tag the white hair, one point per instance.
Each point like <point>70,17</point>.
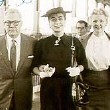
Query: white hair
<point>12,11</point>
<point>100,11</point>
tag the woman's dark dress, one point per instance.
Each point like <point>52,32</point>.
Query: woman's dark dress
<point>56,91</point>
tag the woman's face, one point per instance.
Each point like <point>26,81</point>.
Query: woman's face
<point>99,23</point>
<point>57,22</point>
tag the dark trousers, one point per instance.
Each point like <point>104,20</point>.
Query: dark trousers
<point>99,90</point>
<point>12,104</point>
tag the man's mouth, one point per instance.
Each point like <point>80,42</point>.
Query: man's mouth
<point>57,26</point>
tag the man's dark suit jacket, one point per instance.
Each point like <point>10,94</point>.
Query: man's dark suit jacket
<point>19,83</point>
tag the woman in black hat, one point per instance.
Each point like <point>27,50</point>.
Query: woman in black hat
<point>52,61</point>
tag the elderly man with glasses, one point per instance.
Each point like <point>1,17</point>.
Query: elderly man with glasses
<point>16,53</point>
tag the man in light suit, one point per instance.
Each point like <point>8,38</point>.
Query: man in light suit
<point>15,83</point>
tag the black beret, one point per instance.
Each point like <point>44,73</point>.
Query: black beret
<point>55,11</point>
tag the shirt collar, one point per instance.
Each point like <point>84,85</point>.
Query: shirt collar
<point>9,39</point>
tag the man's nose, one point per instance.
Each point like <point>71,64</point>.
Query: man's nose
<point>11,24</point>
<point>57,21</point>
<point>79,29</point>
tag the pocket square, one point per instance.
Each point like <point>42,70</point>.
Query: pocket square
<point>30,56</point>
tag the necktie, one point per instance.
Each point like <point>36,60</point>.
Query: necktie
<point>13,55</point>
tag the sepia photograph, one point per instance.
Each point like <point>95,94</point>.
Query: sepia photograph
<point>54,54</point>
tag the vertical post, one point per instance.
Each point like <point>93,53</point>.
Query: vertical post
<point>73,16</point>
<point>2,11</point>
<point>53,3</point>
<point>86,9</point>
<point>5,3</point>
<point>36,17</point>
<point>59,3</point>
<point>56,3</point>
<point>74,8</point>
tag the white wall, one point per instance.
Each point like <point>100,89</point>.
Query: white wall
<point>2,9</point>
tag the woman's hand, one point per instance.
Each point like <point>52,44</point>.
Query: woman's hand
<point>74,71</point>
<point>44,71</point>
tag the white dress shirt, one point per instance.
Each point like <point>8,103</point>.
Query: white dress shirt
<point>18,46</point>
<point>98,52</point>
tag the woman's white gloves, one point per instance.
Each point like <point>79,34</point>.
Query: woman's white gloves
<point>44,71</point>
<point>73,71</point>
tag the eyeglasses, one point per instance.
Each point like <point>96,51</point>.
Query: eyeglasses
<point>15,23</point>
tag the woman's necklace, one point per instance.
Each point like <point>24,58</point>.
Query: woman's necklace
<point>57,41</point>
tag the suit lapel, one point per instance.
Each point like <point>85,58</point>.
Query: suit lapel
<point>85,40</point>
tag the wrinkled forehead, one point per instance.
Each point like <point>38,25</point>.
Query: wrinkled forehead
<point>12,16</point>
<point>57,15</point>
